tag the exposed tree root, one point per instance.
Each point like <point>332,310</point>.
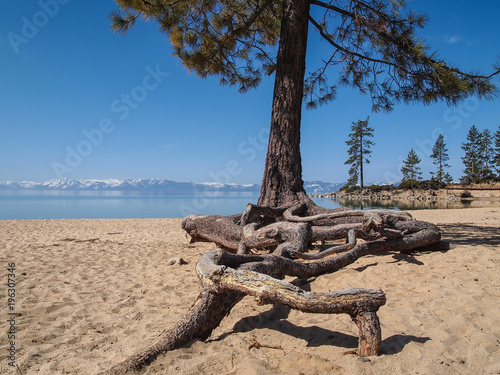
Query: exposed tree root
<point>205,315</point>
<point>228,275</point>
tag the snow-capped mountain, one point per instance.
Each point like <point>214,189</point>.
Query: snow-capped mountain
<point>154,185</point>
<point>142,184</point>
<point>383,183</point>
<point>321,187</point>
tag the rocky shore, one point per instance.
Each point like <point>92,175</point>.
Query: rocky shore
<point>452,195</point>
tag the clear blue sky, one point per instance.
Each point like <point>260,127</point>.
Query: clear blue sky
<point>67,83</point>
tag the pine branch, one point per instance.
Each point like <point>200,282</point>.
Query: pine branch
<point>348,52</point>
<point>254,17</point>
<point>120,24</point>
<point>332,7</point>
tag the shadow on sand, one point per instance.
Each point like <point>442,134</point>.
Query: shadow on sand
<point>275,319</point>
<point>467,234</point>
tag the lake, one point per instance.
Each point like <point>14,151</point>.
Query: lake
<point>23,205</point>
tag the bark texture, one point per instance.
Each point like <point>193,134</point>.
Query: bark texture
<point>282,182</point>
<point>283,236</point>
<point>224,287</point>
<point>370,334</point>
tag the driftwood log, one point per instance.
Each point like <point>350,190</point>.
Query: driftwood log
<point>265,244</point>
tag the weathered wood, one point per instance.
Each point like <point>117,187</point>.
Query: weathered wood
<point>270,290</point>
<point>290,214</point>
<point>205,315</point>
<point>213,228</point>
<point>227,277</point>
<point>351,242</point>
<point>225,286</point>
<point>254,213</point>
<point>293,237</point>
<point>419,234</point>
<point>370,334</point>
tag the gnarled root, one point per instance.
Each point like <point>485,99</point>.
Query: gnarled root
<point>224,287</point>
<point>290,235</point>
<point>227,277</point>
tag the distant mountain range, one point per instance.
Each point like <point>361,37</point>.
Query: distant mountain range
<point>321,187</point>
<point>139,185</point>
<point>154,185</point>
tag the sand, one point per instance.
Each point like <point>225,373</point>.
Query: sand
<point>91,292</point>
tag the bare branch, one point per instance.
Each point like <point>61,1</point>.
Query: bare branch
<point>332,7</point>
<point>348,52</point>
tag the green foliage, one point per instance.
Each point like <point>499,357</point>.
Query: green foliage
<point>466,194</point>
<point>122,23</point>
<point>410,169</point>
<point>481,156</point>
<point>348,189</point>
<point>374,47</point>
<point>380,188</point>
<point>487,155</point>
<point>404,185</point>
<point>423,185</point>
<point>221,38</point>
<point>359,150</point>
<point>407,184</point>
<point>433,184</point>
<point>440,158</point>
<point>376,50</point>
<point>372,188</point>
<point>353,176</point>
<point>472,159</point>
<point>496,156</point>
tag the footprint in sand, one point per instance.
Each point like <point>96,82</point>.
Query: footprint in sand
<point>213,366</point>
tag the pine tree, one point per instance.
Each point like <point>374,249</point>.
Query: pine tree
<point>440,158</point>
<point>359,151</point>
<point>472,159</point>
<point>372,46</point>
<point>496,156</point>
<point>487,155</point>
<point>410,169</point>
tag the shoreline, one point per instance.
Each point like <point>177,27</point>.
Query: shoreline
<point>416,194</point>
<point>416,199</point>
<point>91,292</point>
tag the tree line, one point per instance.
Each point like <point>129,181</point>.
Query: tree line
<point>481,158</point>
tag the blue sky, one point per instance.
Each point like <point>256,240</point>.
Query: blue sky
<point>78,101</point>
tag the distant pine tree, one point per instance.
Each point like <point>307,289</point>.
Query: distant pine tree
<point>440,158</point>
<point>496,156</point>
<point>410,169</point>
<point>359,150</point>
<point>472,158</point>
<point>487,156</point>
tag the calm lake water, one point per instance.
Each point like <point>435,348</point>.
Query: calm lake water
<point>23,205</point>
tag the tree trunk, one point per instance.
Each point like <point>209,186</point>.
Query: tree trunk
<point>440,175</point>
<point>361,182</point>
<point>282,182</point>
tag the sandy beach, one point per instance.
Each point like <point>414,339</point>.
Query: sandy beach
<point>89,293</point>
